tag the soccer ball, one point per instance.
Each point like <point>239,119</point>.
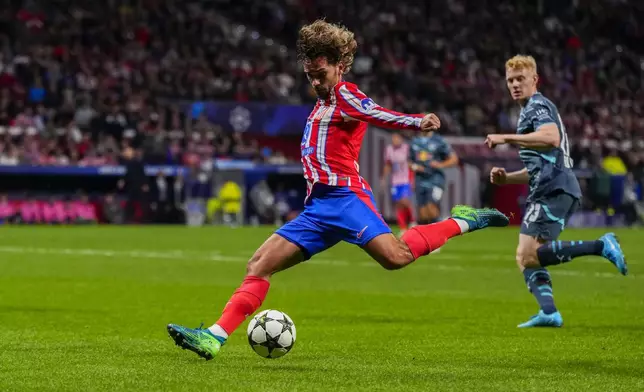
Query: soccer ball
<point>271,334</point>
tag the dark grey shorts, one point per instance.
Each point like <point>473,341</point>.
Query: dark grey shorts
<point>545,219</point>
<point>425,195</point>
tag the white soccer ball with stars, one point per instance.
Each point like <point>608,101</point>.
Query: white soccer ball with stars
<point>271,334</point>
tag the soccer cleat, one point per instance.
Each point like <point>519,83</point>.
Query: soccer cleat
<point>541,319</point>
<point>613,252</point>
<point>480,218</point>
<point>198,340</point>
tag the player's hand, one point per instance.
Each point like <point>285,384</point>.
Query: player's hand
<point>430,122</point>
<point>494,140</point>
<point>417,168</point>
<point>498,176</point>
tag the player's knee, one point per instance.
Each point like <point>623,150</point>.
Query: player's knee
<point>256,266</point>
<point>433,212</point>
<point>395,258</point>
<point>527,258</point>
<point>391,264</point>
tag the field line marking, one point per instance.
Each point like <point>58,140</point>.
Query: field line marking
<point>177,254</point>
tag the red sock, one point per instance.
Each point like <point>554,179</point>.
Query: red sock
<point>424,239</point>
<point>410,214</point>
<point>401,217</point>
<point>244,302</point>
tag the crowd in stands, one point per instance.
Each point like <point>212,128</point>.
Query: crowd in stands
<point>81,80</point>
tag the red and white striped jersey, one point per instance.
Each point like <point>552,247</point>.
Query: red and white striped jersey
<point>334,131</point>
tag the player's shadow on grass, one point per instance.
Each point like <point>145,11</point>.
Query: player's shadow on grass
<point>274,365</point>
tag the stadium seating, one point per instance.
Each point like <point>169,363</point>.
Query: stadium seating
<point>80,80</point>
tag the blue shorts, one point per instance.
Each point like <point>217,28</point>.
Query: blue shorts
<point>432,194</point>
<point>546,218</point>
<point>400,192</point>
<point>333,214</point>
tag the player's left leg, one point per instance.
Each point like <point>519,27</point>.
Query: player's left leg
<point>539,248</point>
<point>293,243</point>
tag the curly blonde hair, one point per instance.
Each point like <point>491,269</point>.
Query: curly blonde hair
<point>519,62</point>
<point>323,39</point>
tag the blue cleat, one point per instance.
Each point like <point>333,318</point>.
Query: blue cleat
<point>541,319</point>
<point>613,252</point>
<point>480,218</point>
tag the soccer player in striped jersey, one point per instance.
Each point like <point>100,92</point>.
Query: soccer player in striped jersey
<point>339,205</point>
<point>397,169</point>
<point>553,195</point>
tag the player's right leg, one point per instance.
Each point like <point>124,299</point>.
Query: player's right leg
<point>538,280</point>
<point>293,243</point>
<point>393,253</point>
<point>538,248</point>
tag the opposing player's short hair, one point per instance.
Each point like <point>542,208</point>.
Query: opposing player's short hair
<point>519,62</point>
<point>324,39</point>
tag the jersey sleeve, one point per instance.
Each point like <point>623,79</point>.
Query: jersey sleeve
<point>355,104</point>
<point>539,115</point>
<point>445,149</point>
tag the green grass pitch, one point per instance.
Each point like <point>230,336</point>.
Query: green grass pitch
<point>86,309</point>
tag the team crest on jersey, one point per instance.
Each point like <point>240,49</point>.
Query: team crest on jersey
<point>423,156</point>
<point>368,104</point>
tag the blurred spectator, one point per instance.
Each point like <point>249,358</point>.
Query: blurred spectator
<point>135,185</point>
<point>613,164</point>
<point>113,210</point>
<point>162,199</point>
<point>633,209</point>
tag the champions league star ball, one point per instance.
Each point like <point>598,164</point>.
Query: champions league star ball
<point>271,334</point>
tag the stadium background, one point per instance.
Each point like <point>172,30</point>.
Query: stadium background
<point>210,90</point>
<point>208,93</point>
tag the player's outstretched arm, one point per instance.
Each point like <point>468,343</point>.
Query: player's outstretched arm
<point>547,136</point>
<point>355,104</point>
<point>452,160</point>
